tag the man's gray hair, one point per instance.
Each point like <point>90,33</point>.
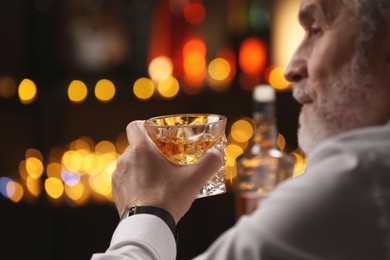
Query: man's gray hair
<point>369,12</point>
<point>369,15</point>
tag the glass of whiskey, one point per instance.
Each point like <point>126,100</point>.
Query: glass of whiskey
<point>184,138</point>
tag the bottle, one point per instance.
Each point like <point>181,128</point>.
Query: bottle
<point>262,165</point>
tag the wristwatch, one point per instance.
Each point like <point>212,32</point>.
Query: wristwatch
<point>159,212</point>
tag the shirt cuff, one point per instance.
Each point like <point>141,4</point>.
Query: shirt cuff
<point>148,232</point>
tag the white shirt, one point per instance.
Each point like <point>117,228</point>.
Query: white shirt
<point>339,209</point>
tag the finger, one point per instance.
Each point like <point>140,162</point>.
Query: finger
<point>136,134</point>
<point>207,165</point>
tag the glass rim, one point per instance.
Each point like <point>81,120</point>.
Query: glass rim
<point>150,121</point>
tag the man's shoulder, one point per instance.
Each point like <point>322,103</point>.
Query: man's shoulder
<point>367,146</point>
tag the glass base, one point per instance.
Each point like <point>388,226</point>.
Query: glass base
<point>215,185</point>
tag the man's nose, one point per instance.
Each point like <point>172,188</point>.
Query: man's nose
<point>296,70</point>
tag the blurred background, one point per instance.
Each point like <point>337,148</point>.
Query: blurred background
<point>74,73</point>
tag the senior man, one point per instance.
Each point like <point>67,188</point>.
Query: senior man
<point>340,207</point>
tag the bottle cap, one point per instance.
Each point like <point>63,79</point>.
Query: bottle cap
<point>264,93</point>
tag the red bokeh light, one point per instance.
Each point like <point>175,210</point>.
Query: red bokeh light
<point>194,13</point>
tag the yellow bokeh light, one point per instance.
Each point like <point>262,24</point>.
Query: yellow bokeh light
<point>105,147</point>
<point>160,67</point>
<point>34,186</point>
<point>90,164</point>
<point>168,87</point>
<point>242,130</point>
<point>232,151</point>
<point>104,90</point>
<point>34,167</point>
<point>75,192</point>
<point>219,69</point>
<point>14,191</point>
<point>110,168</point>
<point>143,88</point>
<point>99,185</point>
<point>104,159</point>
<point>77,91</point>
<point>277,79</point>
<point>80,144</point>
<point>7,86</point>
<point>27,91</point>
<point>72,161</point>
<point>54,187</point>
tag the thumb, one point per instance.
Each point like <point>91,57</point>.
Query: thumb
<point>207,165</point>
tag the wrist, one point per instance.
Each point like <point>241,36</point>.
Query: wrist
<point>152,210</point>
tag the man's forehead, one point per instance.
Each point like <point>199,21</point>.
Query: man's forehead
<point>322,3</point>
<point>328,8</point>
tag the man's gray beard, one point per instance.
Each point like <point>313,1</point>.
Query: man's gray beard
<point>339,113</point>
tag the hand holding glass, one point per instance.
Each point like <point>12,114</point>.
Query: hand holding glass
<point>184,138</point>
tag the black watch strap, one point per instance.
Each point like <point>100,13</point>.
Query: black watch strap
<point>159,212</point>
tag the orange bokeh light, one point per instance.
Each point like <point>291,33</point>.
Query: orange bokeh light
<point>194,61</point>
<point>252,56</point>
<point>194,45</point>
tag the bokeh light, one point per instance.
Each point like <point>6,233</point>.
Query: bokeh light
<point>277,79</point>
<point>242,130</point>
<point>160,67</point>
<point>22,170</point>
<point>281,142</point>
<point>105,90</point>
<point>34,167</point>
<point>75,192</point>
<point>34,186</point>
<point>168,87</point>
<point>104,147</point>
<point>83,143</point>
<point>194,61</point>
<point>69,178</point>
<point>14,191</point>
<point>194,12</point>
<point>54,170</point>
<point>194,66</point>
<point>3,186</point>
<point>143,88</point>
<point>27,91</point>
<point>252,56</point>
<point>7,87</point>
<point>194,45</point>
<point>32,152</point>
<point>54,187</point>
<point>219,69</point>
<point>72,161</point>
<point>77,91</point>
